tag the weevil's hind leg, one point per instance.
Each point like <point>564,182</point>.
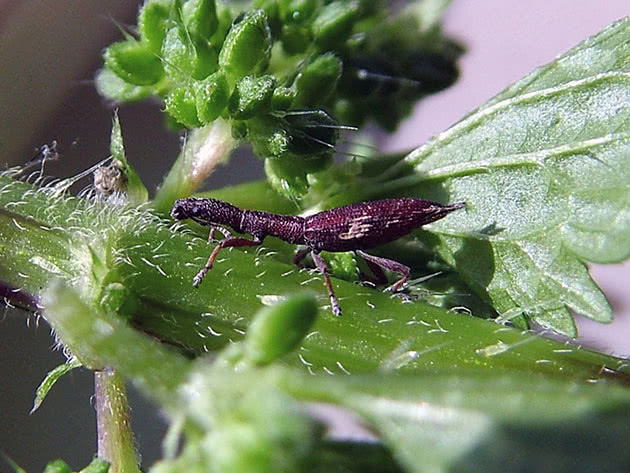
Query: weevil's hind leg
<point>390,265</point>
<point>321,265</point>
<point>228,242</point>
<point>299,257</point>
<point>379,276</point>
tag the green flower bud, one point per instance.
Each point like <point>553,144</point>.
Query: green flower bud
<point>200,18</point>
<point>295,39</point>
<point>289,175</point>
<point>211,97</point>
<point>239,130</point>
<point>98,465</point>
<point>152,24</point>
<point>279,329</point>
<point>181,104</point>
<point>283,98</point>
<point>334,23</point>
<point>186,56</point>
<point>268,136</point>
<point>251,97</point>
<point>247,47</point>
<point>134,62</point>
<point>317,81</point>
<point>296,134</point>
<point>113,87</point>
<point>57,466</point>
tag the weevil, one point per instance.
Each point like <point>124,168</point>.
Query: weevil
<point>354,227</point>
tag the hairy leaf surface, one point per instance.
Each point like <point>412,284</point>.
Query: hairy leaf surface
<point>544,170</point>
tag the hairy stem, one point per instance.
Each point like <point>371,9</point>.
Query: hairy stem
<point>113,423</point>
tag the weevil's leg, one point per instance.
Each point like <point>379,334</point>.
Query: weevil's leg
<point>321,265</point>
<point>390,265</point>
<point>299,256</point>
<point>228,242</point>
<point>224,231</point>
<point>379,276</point>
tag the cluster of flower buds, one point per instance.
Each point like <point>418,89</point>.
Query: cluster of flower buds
<point>285,73</point>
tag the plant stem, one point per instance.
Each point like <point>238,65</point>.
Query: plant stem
<point>115,437</point>
<point>204,149</point>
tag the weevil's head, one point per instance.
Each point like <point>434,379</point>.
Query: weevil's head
<point>205,211</point>
<point>184,208</point>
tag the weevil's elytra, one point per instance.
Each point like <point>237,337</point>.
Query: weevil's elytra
<point>354,227</point>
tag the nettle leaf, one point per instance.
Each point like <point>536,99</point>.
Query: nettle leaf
<point>51,378</point>
<point>544,170</point>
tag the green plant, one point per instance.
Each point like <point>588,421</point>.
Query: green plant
<point>543,168</point>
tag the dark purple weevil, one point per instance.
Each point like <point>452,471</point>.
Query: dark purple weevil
<point>354,227</point>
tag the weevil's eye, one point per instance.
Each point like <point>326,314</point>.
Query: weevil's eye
<point>180,210</point>
<point>177,212</point>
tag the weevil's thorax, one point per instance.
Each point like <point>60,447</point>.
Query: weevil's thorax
<point>289,228</point>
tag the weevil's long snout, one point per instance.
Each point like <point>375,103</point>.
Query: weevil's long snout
<point>456,206</point>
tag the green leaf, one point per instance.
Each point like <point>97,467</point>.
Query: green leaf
<point>157,263</point>
<point>545,175</point>
<point>472,422</point>
<point>455,418</point>
<point>134,188</point>
<point>51,378</point>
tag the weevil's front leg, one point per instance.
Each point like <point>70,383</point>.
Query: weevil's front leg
<point>321,265</point>
<point>228,242</point>
<point>390,265</point>
<point>224,231</point>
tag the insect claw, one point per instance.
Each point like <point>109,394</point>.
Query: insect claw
<point>197,280</point>
<point>336,309</point>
